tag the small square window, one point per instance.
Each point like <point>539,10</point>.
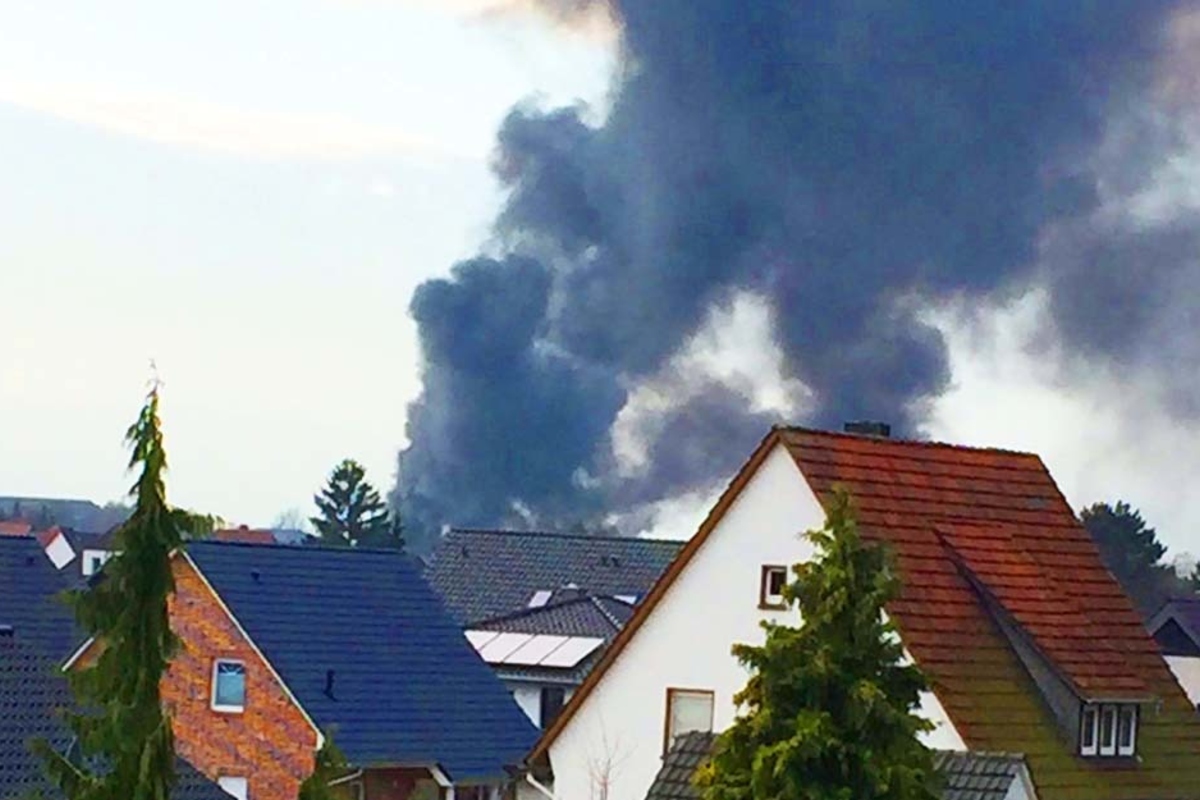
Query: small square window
<point>687,710</point>
<point>229,686</point>
<point>771,586</point>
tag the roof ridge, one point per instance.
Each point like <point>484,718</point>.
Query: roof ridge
<point>612,620</point>
<point>930,443</point>
<point>558,535</point>
<point>277,545</point>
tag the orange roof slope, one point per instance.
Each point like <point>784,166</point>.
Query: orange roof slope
<point>1075,643</point>
<point>906,492</point>
<point>15,528</point>
<point>244,535</point>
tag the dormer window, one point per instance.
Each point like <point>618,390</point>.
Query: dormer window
<point>1108,730</point>
<point>770,587</point>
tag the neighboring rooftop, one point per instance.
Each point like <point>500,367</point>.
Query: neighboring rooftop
<point>32,695</point>
<point>482,575</point>
<point>367,647</point>
<point>968,776</point>
<point>978,776</point>
<point>81,515</point>
<point>1176,627</point>
<point>245,534</point>
<point>29,597</point>
<point>567,613</point>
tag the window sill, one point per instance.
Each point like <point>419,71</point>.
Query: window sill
<point>765,606</point>
<point>228,709</point>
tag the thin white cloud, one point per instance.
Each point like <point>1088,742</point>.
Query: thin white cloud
<point>595,23</point>
<point>184,122</point>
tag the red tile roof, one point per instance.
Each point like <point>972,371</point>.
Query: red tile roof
<point>15,528</point>
<point>244,535</point>
<point>973,528</point>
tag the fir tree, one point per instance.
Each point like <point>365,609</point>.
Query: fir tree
<point>125,749</point>
<point>1131,551</point>
<point>830,707</point>
<point>351,511</point>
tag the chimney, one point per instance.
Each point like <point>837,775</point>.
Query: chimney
<point>868,427</point>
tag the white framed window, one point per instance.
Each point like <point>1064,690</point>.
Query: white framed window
<point>687,710</point>
<point>1127,717</point>
<point>235,786</point>
<point>1108,730</point>
<point>1087,730</point>
<point>229,686</point>
<point>770,587</point>
<point>94,561</point>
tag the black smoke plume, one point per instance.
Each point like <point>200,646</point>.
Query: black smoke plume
<point>846,160</point>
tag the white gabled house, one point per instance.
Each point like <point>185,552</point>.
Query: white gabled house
<point>1004,679</point>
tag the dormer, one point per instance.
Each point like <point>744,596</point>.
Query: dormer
<point>1085,681</point>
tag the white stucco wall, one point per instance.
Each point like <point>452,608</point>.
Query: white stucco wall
<point>1187,672</point>
<point>616,737</point>
<point>529,698</point>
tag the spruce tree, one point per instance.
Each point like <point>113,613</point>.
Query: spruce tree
<point>351,511</point>
<point>830,707</point>
<point>125,749</point>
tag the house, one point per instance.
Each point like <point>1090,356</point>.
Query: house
<point>1176,628</point>
<point>1030,645</point>
<point>244,534</point>
<point>283,646</point>
<point>541,607</point>
<point>967,776</point>
<point>36,630</point>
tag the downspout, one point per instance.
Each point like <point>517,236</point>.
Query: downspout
<point>346,778</point>
<point>541,788</point>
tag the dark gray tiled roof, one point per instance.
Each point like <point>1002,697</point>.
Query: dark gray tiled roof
<point>32,688</point>
<point>482,575</point>
<point>674,779</point>
<point>407,686</point>
<point>584,615</point>
<point>969,776</point>
<point>977,776</point>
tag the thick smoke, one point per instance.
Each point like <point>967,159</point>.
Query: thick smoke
<point>845,160</point>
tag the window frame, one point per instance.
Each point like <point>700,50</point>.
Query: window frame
<point>1093,718</point>
<point>245,784</point>
<point>765,598</point>
<point>672,692</point>
<point>222,708</point>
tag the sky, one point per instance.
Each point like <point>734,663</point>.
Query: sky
<point>246,195</point>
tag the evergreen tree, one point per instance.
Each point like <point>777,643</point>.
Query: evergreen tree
<point>125,745</point>
<point>830,707</point>
<point>1131,551</point>
<point>330,765</point>
<point>351,511</point>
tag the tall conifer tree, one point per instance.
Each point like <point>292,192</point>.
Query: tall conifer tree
<point>830,707</point>
<point>125,749</point>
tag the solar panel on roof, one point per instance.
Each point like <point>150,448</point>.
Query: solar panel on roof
<point>572,652</point>
<point>535,650</point>
<point>480,638</point>
<point>498,649</point>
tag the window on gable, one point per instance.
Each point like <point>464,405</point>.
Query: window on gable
<point>1108,730</point>
<point>94,561</point>
<point>229,686</point>
<point>234,786</point>
<point>770,587</point>
<point>687,710</point>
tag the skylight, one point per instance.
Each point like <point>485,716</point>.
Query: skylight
<point>540,598</point>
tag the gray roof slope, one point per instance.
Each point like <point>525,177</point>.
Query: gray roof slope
<point>407,686</point>
<point>969,776</point>
<point>29,597</point>
<point>582,615</point>
<point>977,776</point>
<point>482,575</point>
<point>32,690</point>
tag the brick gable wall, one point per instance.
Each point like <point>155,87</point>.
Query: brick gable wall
<point>270,743</point>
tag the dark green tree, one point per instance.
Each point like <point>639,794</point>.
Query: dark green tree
<point>351,511</point>
<point>830,707</point>
<point>330,765</point>
<point>1131,551</point>
<point>125,746</point>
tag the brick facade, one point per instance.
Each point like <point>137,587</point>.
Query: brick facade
<point>270,743</point>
